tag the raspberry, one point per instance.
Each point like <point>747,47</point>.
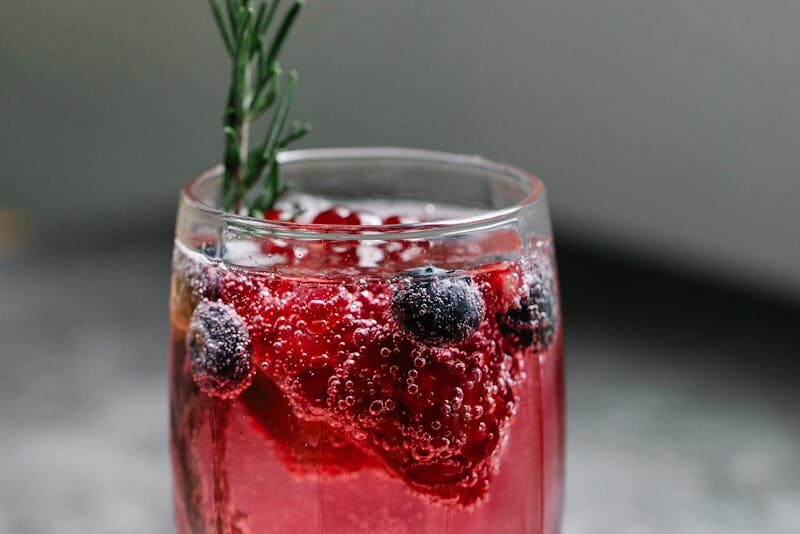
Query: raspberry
<point>302,332</point>
<point>437,416</point>
<point>501,288</point>
<point>436,309</point>
<point>310,336</point>
<point>305,446</point>
<point>219,348</point>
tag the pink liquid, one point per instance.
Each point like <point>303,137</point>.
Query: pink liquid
<point>292,449</point>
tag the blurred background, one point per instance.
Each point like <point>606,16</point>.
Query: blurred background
<point>667,134</point>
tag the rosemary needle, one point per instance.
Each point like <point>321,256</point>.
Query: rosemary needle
<point>257,88</point>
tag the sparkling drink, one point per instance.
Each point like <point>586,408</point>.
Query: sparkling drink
<point>391,366</point>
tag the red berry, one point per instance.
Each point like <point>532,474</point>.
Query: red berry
<point>341,253</point>
<point>337,216</point>
<point>437,416</point>
<point>306,446</point>
<point>274,215</point>
<point>502,288</point>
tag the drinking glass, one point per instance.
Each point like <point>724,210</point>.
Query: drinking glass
<point>400,371</point>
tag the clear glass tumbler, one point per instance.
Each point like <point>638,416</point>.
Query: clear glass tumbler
<point>396,372</point>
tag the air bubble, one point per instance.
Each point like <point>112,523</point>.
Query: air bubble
<point>360,335</point>
<point>376,408</point>
<point>421,453</point>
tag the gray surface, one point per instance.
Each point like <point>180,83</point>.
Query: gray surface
<point>669,126</point>
<point>661,438</point>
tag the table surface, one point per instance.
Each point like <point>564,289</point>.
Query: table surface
<point>682,405</point>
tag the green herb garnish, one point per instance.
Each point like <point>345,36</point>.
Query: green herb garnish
<point>256,88</point>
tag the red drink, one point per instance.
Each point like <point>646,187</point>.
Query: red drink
<point>343,387</point>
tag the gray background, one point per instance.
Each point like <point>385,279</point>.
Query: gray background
<point>667,133</point>
<point>666,128</point>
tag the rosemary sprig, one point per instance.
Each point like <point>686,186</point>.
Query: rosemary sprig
<point>256,87</point>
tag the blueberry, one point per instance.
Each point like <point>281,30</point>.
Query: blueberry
<point>220,351</point>
<point>435,308</point>
<point>213,250</point>
<point>206,284</point>
<point>533,323</point>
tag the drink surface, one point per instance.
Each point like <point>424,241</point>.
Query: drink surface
<point>346,387</point>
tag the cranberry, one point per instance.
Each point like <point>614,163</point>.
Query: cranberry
<point>337,216</point>
<point>275,215</point>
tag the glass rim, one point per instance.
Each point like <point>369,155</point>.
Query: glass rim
<point>485,220</point>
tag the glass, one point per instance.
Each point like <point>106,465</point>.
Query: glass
<point>401,371</point>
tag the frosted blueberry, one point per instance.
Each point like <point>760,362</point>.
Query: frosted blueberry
<point>206,284</point>
<point>219,349</point>
<point>435,308</point>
